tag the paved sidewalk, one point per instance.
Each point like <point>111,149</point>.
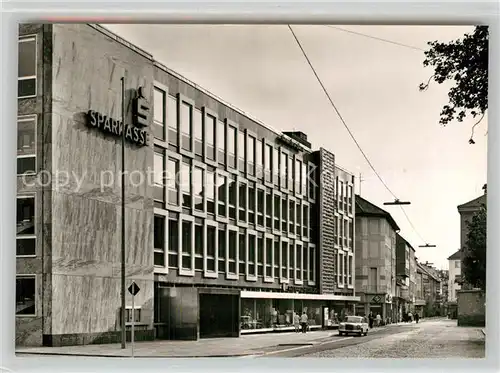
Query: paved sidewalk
<point>246,345</point>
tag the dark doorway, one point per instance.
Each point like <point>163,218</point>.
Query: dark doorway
<point>219,315</point>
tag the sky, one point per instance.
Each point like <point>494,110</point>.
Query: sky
<point>261,70</point>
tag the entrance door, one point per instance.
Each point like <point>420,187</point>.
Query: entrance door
<point>219,315</point>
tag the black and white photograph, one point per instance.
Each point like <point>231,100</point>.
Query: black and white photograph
<point>251,190</point>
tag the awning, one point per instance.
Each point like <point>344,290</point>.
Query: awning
<point>272,295</point>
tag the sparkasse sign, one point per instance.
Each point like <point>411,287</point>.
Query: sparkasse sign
<point>135,134</point>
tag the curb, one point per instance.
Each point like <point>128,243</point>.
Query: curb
<point>130,357</point>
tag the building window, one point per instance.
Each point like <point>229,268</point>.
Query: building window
<point>222,248</point>
<point>290,173</point>
<point>159,111</point>
<point>258,158</point>
<point>251,155</point>
<point>341,196</point>
<point>173,240</point>
<point>277,214</point>
<point>260,256</point>
<point>211,247</point>
<point>457,263</point>
<point>269,208</point>
<point>171,176</point>
<point>187,244</point>
<point>276,166</point>
<point>26,295</point>
<point>233,244</point>
<point>221,142</point>
<point>298,177</point>
<point>26,82</point>
<point>186,183</point>
<point>260,207</point>
<point>277,254</point>
<point>312,181</point>
<point>221,195</point>
<point>268,163</point>
<point>252,201</point>
<point>252,270</point>
<point>340,270</point>
<point>298,222</point>
<point>305,216</point>
<point>231,146</point>
<point>291,206</point>
<point>241,151</point>
<point>128,315</point>
<point>312,263</point>
<point>232,197</point>
<point>349,199</point>
<point>305,265</point>
<point>292,266</point>
<point>173,124</point>
<point>159,241</point>
<point>351,233</point>
<point>284,171</point>
<point>269,258</point>
<point>312,212</point>
<point>199,241</point>
<point>186,124</point>
<point>284,213</point>
<point>242,252</point>
<point>210,123</point>
<point>210,187</point>
<point>345,269</point>
<point>304,179</point>
<point>26,145</point>
<point>298,262</point>
<point>242,206</point>
<point>25,226</point>
<point>159,188</point>
<point>198,132</point>
<point>284,260</point>
<point>350,270</point>
<point>345,233</point>
<point>198,188</point>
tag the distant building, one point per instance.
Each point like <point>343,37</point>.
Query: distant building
<point>431,286</point>
<point>375,259</point>
<point>454,275</point>
<point>403,259</point>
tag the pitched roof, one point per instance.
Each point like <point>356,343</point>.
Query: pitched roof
<point>457,255</point>
<point>366,208</point>
<point>401,237</point>
<point>475,203</point>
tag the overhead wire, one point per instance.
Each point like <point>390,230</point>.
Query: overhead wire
<point>348,129</point>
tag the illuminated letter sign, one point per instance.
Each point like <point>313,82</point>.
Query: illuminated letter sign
<point>135,134</point>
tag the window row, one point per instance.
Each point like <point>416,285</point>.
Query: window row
<point>344,268</point>
<point>192,244</point>
<point>25,226</point>
<point>188,186</point>
<point>27,67</point>
<point>344,231</point>
<point>344,196</point>
<point>180,126</point>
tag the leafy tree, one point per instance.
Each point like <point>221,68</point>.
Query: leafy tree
<point>474,252</point>
<point>466,62</point>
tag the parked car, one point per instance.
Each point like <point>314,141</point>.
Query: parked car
<point>354,325</point>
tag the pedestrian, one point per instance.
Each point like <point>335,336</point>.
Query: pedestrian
<point>379,319</point>
<point>303,321</point>
<point>296,322</point>
<point>416,317</point>
<point>410,317</point>
<point>370,320</point>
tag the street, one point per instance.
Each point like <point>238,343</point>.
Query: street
<point>438,338</point>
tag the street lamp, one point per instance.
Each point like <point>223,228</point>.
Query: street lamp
<point>427,245</point>
<point>397,202</point>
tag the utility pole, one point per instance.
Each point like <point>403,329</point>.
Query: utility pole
<point>124,332</point>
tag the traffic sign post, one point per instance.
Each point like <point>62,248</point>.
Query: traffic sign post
<point>133,289</point>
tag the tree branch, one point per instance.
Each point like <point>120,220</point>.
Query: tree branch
<point>471,140</point>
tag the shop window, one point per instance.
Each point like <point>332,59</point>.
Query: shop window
<point>173,240</point>
<point>26,295</point>
<point>159,113</point>
<point>25,226</point>
<point>27,67</point>
<point>171,179</point>
<point>173,124</point>
<point>198,133</point>
<point>26,145</point>
<point>159,241</point>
